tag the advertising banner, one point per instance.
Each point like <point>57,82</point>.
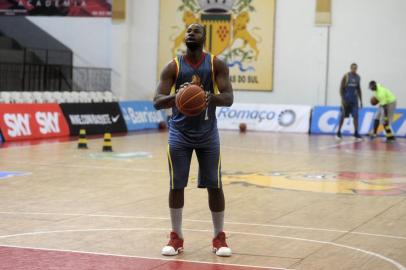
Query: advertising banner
<point>239,32</point>
<point>263,117</point>
<point>32,121</point>
<point>325,121</point>
<point>74,8</point>
<point>96,118</point>
<point>140,115</point>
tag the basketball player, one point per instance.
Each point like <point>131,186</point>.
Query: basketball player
<point>199,134</point>
<point>350,91</point>
<point>387,107</point>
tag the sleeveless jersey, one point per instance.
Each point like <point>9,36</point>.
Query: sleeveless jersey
<point>199,129</point>
<point>353,84</point>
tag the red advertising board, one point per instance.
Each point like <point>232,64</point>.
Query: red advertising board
<point>75,8</point>
<point>32,121</point>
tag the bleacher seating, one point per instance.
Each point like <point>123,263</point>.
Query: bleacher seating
<point>11,97</point>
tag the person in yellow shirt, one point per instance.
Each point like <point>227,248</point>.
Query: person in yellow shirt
<point>387,107</point>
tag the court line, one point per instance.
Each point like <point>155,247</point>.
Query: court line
<point>336,145</point>
<point>209,221</point>
<point>142,257</point>
<point>86,166</point>
<point>370,253</point>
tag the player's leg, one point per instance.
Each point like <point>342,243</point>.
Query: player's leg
<point>179,158</point>
<point>217,207</point>
<point>210,178</point>
<point>344,113</point>
<point>377,120</point>
<point>354,113</point>
<point>387,122</point>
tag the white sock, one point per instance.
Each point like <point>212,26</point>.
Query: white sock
<point>176,219</point>
<point>218,222</point>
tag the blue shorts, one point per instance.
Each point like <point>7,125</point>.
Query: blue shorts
<point>350,108</point>
<point>208,156</point>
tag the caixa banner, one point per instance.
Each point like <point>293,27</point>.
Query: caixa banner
<point>32,121</point>
<point>325,121</point>
<point>140,115</point>
<point>262,117</point>
<point>96,118</point>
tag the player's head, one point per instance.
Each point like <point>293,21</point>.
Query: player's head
<point>195,36</point>
<point>354,68</point>
<point>372,85</point>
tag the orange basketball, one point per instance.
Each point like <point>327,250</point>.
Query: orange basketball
<point>374,101</point>
<point>191,100</point>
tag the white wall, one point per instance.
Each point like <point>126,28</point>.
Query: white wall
<point>88,38</point>
<point>373,34</point>
<point>369,32</point>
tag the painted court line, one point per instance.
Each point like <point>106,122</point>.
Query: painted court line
<point>209,221</point>
<point>144,257</point>
<point>336,145</point>
<point>87,167</point>
<point>369,253</point>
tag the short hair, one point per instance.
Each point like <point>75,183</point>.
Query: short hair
<point>202,27</point>
<point>354,64</point>
<point>372,83</point>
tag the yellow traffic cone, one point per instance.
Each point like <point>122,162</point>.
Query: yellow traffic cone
<point>107,143</point>
<point>82,143</point>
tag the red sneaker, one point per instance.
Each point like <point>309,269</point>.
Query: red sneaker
<point>220,246</point>
<point>174,247</point>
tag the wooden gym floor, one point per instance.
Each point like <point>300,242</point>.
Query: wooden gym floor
<point>292,202</point>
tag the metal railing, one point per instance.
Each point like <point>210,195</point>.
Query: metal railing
<point>46,77</point>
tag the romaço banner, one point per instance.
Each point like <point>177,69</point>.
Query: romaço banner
<point>264,117</point>
<point>75,8</point>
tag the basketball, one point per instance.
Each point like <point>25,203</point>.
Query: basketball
<point>374,101</point>
<point>243,127</point>
<point>191,100</point>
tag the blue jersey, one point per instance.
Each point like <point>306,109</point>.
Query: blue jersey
<point>351,88</point>
<point>201,129</point>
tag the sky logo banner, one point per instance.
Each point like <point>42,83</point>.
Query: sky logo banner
<point>140,115</point>
<point>264,117</point>
<point>32,121</point>
<point>325,121</point>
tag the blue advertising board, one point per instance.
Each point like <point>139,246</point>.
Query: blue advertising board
<point>325,121</point>
<point>140,115</point>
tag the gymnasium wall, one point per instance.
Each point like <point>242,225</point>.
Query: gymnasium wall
<point>369,32</point>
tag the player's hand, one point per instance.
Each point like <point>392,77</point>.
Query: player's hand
<point>209,98</point>
<point>182,86</point>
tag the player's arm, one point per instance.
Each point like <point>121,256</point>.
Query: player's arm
<point>163,98</point>
<point>360,93</point>
<point>222,78</point>
<point>342,88</point>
